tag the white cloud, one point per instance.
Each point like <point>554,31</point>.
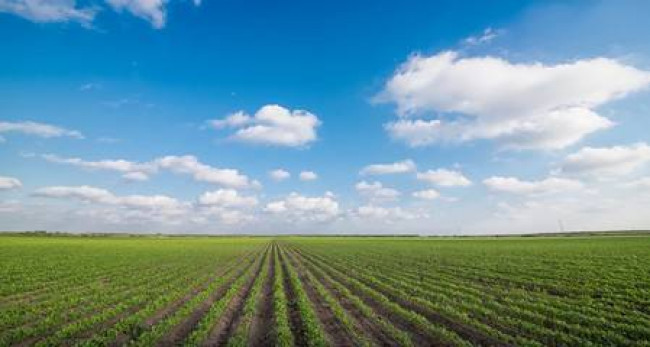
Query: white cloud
<point>607,161</point>
<point>415,133</point>
<point>123,209</point>
<point>135,176</point>
<point>305,209</point>
<point>549,185</point>
<point>84,193</point>
<point>308,176</point>
<point>235,120</point>
<point>403,166</point>
<point>376,192</point>
<point>189,164</point>
<point>152,11</point>
<point>221,204</point>
<point>427,194</point>
<point>643,182</point>
<point>149,202</point>
<point>385,214</point>
<point>273,125</point>
<point>486,36</point>
<point>523,106</point>
<point>279,175</point>
<point>38,129</point>
<point>444,178</point>
<point>130,170</point>
<point>49,11</point>
<point>226,198</point>
<point>186,164</point>
<point>7,183</point>
<point>223,215</point>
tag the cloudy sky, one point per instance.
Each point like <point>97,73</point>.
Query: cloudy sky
<point>239,116</point>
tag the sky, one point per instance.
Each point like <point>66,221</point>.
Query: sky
<point>338,117</point>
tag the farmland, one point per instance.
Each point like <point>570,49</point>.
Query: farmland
<point>317,291</point>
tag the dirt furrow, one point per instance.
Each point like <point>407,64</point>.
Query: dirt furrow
<point>334,331</point>
<point>419,338</point>
<point>83,335</point>
<point>232,314</point>
<point>297,326</point>
<point>168,310</point>
<point>465,331</point>
<point>262,324</point>
<point>369,328</point>
<point>182,330</point>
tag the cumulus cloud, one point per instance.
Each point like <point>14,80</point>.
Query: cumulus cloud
<point>308,176</point>
<point>376,192</point>
<point>279,175</point>
<point>186,164</point>
<point>272,125</point>
<point>8,183</point>
<point>444,178</point>
<point>427,194</point>
<point>84,193</point>
<point>549,185</point>
<point>130,170</point>
<point>297,207</point>
<point>225,206</point>
<point>102,196</point>
<point>386,214</point>
<point>524,106</point>
<point>223,215</point>
<point>38,129</point>
<point>403,166</point>
<point>607,161</point>
<point>234,120</point>
<point>226,198</point>
<point>49,11</point>
<point>189,164</point>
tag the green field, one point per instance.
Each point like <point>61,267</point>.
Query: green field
<point>67,290</point>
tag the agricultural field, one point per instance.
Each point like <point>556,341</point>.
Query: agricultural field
<point>319,291</point>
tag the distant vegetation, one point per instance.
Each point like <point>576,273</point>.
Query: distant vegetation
<point>314,291</point>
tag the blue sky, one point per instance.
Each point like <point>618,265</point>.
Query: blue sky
<point>171,116</point>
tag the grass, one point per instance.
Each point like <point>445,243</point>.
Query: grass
<point>553,290</point>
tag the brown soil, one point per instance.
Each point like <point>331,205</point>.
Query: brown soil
<point>297,327</point>
<point>262,324</point>
<point>474,336</point>
<point>419,338</point>
<point>334,330</point>
<point>168,310</point>
<point>177,334</point>
<point>231,316</point>
<point>368,327</point>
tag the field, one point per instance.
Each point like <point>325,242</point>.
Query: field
<point>316,291</point>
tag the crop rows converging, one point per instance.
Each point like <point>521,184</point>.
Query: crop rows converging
<point>324,291</point>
